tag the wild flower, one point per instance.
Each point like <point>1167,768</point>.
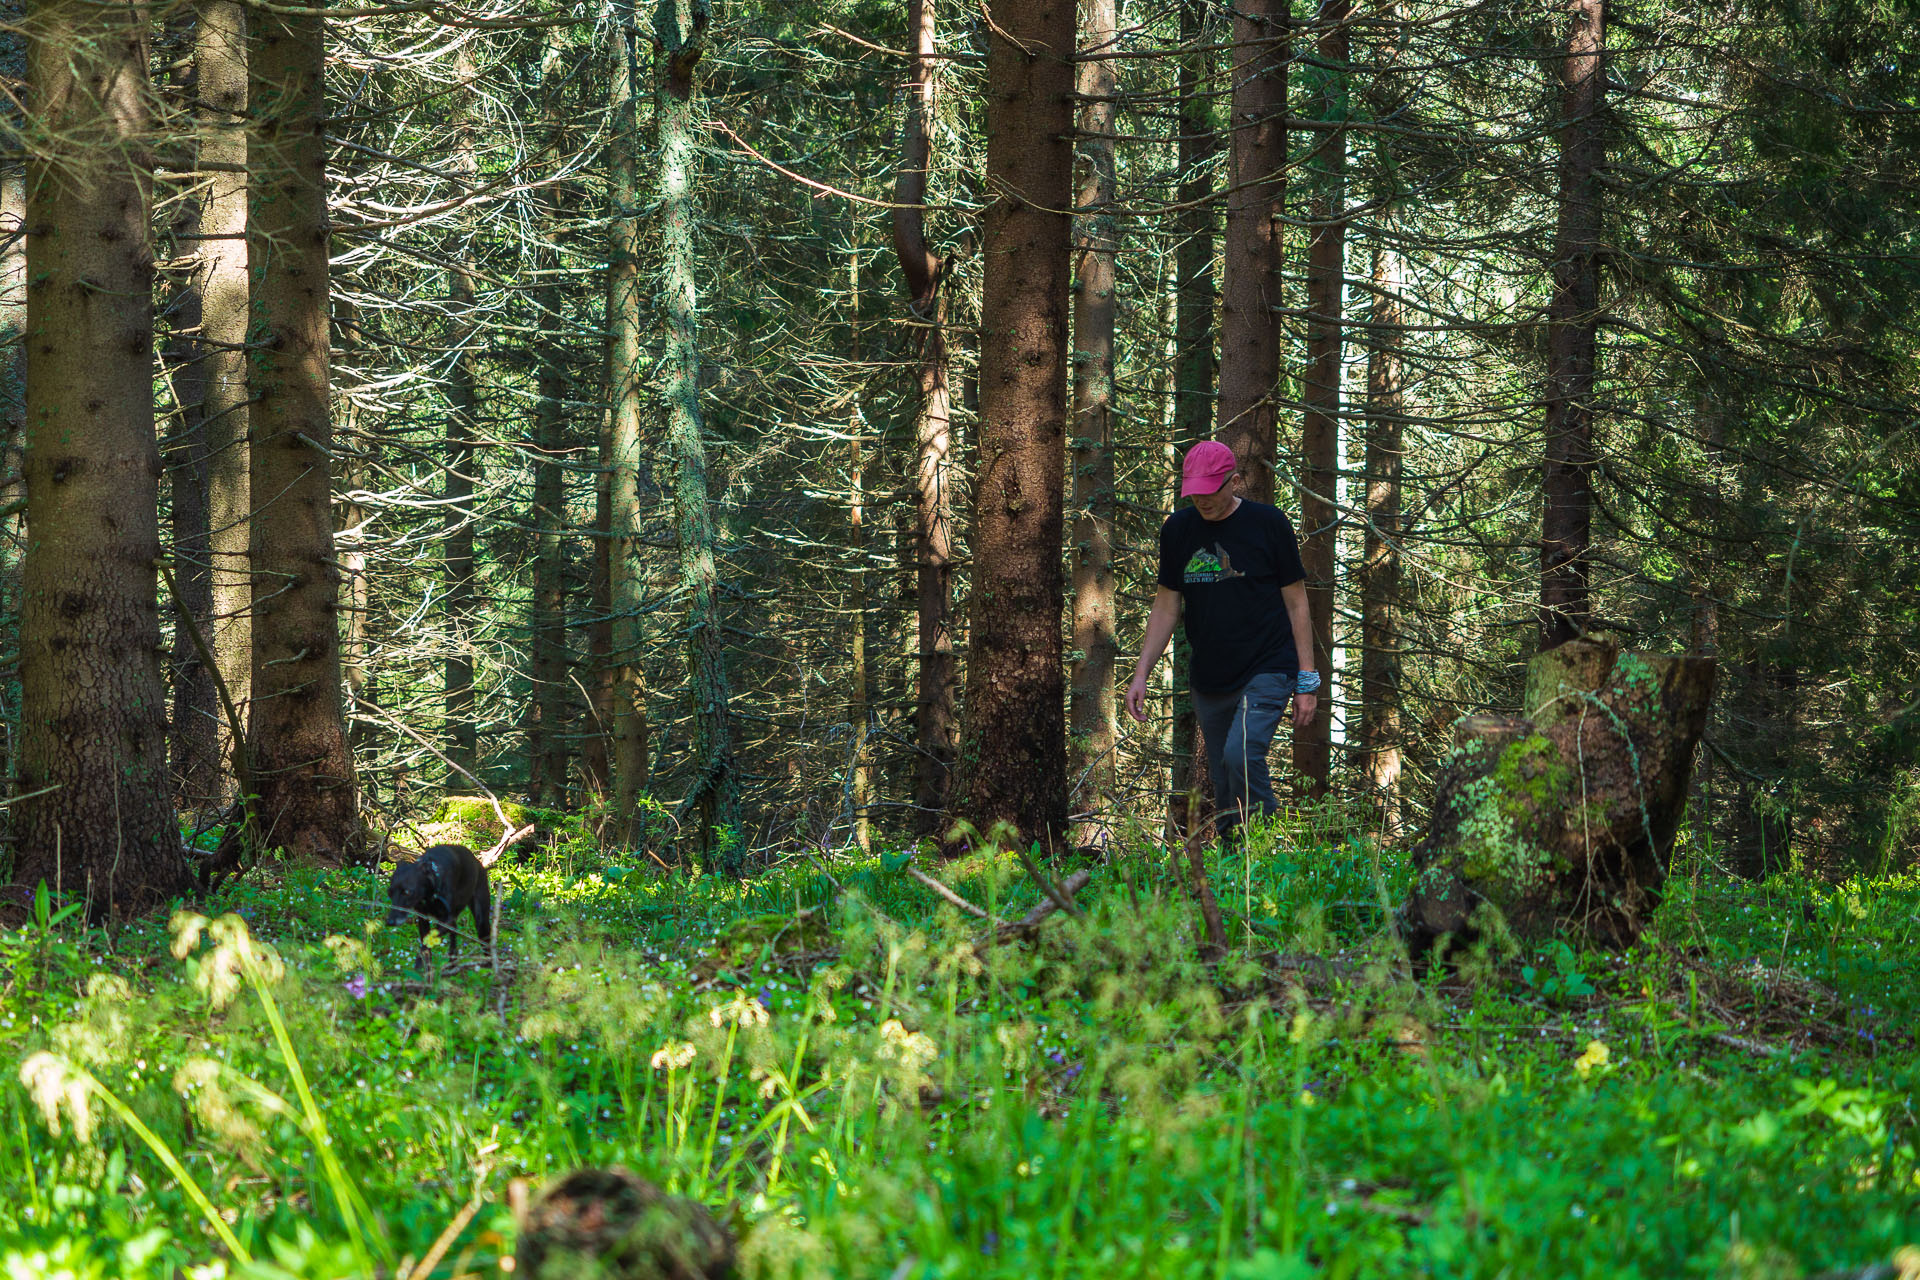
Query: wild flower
<point>1594,1056</point>
<point>357,986</point>
<point>218,974</point>
<point>674,1056</point>
<point>913,1050</point>
<point>745,1011</point>
<point>56,1086</point>
<point>198,1081</point>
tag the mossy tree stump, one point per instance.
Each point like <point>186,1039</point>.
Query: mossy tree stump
<point>469,820</point>
<point>1563,820</point>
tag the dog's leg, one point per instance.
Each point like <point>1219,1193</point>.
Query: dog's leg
<point>483,918</point>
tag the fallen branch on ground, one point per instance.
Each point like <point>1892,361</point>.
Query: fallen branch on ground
<point>949,895</point>
<point>1033,919</point>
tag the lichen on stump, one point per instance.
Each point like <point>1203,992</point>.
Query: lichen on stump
<point>1562,820</point>
<point>609,1224</point>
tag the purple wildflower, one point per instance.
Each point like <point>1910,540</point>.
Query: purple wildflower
<point>357,986</point>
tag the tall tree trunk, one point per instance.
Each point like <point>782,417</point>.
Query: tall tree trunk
<point>1096,648</point>
<point>208,478</point>
<point>463,423</point>
<point>1256,188</point>
<point>1763,799</point>
<point>596,760</point>
<point>1379,584</point>
<point>680,29</point>
<point>548,723</point>
<point>13,378</point>
<point>1194,364</point>
<point>934,716</point>
<point>1320,424</point>
<point>860,788</point>
<point>627,371</point>
<point>1014,751</point>
<point>356,589</point>
<point>1572,335</point>
<point>220,67</point>
<point>193,743</point>
<point>299,741</point>
<point>94,816</point>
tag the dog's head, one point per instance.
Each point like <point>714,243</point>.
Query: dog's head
<point>413,890</point>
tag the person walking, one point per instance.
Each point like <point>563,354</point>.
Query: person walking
<point>1232,567</point>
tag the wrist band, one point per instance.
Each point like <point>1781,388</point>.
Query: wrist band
<point>1306,682</point>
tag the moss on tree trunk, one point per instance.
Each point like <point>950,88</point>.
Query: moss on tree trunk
<point>1563,820</point>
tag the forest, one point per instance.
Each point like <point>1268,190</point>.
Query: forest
<point>594,680</point>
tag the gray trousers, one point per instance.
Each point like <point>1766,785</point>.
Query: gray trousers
<point>1239,728</point>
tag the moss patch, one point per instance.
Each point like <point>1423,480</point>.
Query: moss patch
<point>1531,777</point>
<point>765,939</point>
<point>1496,856</point>
<point>467,820</point>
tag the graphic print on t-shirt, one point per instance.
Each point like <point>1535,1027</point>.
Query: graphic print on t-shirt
<point>1211,565</point>
<point>1232,576</point>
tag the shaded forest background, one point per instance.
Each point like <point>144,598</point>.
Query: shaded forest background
<point>656,426</point>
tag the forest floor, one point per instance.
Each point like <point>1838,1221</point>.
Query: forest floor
<point>831,1057</point>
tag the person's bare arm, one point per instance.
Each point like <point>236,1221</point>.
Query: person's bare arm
<point>1295,595</point>
<point>1161,621</point>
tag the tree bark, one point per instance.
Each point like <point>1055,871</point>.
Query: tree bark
<point>193,744</point>
<point>13,376</point>
<point>1254,249</point>
<point>1379,585</point>
<point>680,32</point>
<point>596,761</point>
<point>308,801</point>
<point>1093,722</point>
<point>627,372</point>
<point>1563,819</point>
<point>860,784</point>
<point>1194,364</point>
<point>935,721</point>
<point>1763,817</point>
<point>1572,335</point>
<point>220,65</point>
<point>350,540</point>
<point>463,405</point>
<point>549,721</point>
<point>1014,752</point>
<point>93,717</point>
<point>208,474</point>
<point>1320,430</point>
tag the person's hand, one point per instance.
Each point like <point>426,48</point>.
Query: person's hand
<point>1137,699</point>
<point>1304,705</point>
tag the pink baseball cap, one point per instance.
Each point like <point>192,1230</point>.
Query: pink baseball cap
<point>1207,467</point>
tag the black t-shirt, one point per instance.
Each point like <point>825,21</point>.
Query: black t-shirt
<point>1230,572</point>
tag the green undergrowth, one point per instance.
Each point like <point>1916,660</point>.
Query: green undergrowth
<point>861,1083</point>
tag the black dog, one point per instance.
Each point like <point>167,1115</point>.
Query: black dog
<point>435,888</point>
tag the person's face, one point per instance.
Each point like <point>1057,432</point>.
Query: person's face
<point>1218,505</point>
